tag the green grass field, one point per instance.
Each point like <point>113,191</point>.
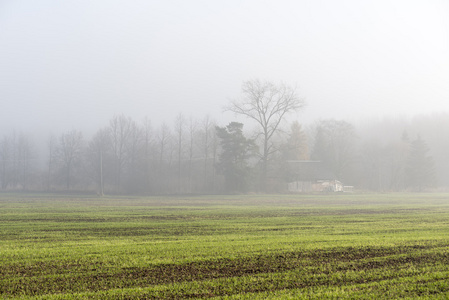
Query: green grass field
<point>227,247</point>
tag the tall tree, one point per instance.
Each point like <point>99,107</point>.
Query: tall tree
<point>420,169</point>
<point>134,157</point>
<point>25,160</point>
<point>51,146</point>
<point>335,146</point>
<point>164,140</point>
<point>236,149</point>
<point>293,148</point>
<point>120,128</point>
<point>98,155</point>
<point>191,148</point>
<point>296,146</point>
<point>207,131</point>
<point>148,155</point>
<point>267,104</point>
<point>179,130</point>
<point>6,161</point>
<point>397,158</point>
<point>374,170</point>
<point>70,153</point>
<point>16,157</point>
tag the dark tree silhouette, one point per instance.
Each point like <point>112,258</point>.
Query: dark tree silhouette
<point>233,160</point>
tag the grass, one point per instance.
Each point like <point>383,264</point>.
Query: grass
<point>224,247</point>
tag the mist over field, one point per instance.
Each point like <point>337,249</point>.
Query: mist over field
<point>152,98</point>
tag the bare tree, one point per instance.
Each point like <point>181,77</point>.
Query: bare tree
<point>214,148</point>
<point>16,157</point>
<point>164,137</point>
<point>5,158</point>
<point>206,130</point>
<point>208,144</point>
<point>179,129</point>
<point>97,154</point>
<point>164,141</point>
<point>51,146</point>
<point>267,104</point>
<point>120,128</point>
<point>70,153</point>
<point>134,155</point>
<point>25,160</point>
<point>191,148</point>
<point>148,144</point>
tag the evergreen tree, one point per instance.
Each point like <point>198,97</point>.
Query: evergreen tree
<point>236,149</point>
<point>296,146</point>
<point>420,171</point>
<point>397,155</point>
<point>335,147</point>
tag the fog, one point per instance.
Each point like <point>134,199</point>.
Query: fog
<point>381,66</point>
<point>77,63</point>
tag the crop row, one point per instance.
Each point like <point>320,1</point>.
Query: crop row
<point>254,274</point>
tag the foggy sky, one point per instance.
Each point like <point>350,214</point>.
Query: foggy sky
<point>75,64</point>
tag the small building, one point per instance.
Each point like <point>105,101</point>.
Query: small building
<point>311,176</point>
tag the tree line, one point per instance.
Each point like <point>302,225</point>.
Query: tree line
<point>201,156</point>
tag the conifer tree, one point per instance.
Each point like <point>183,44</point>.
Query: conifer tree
<point>233,161</point>
<point>420,171</point>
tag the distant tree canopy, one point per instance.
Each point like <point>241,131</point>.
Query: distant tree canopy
<point>187,155</point>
